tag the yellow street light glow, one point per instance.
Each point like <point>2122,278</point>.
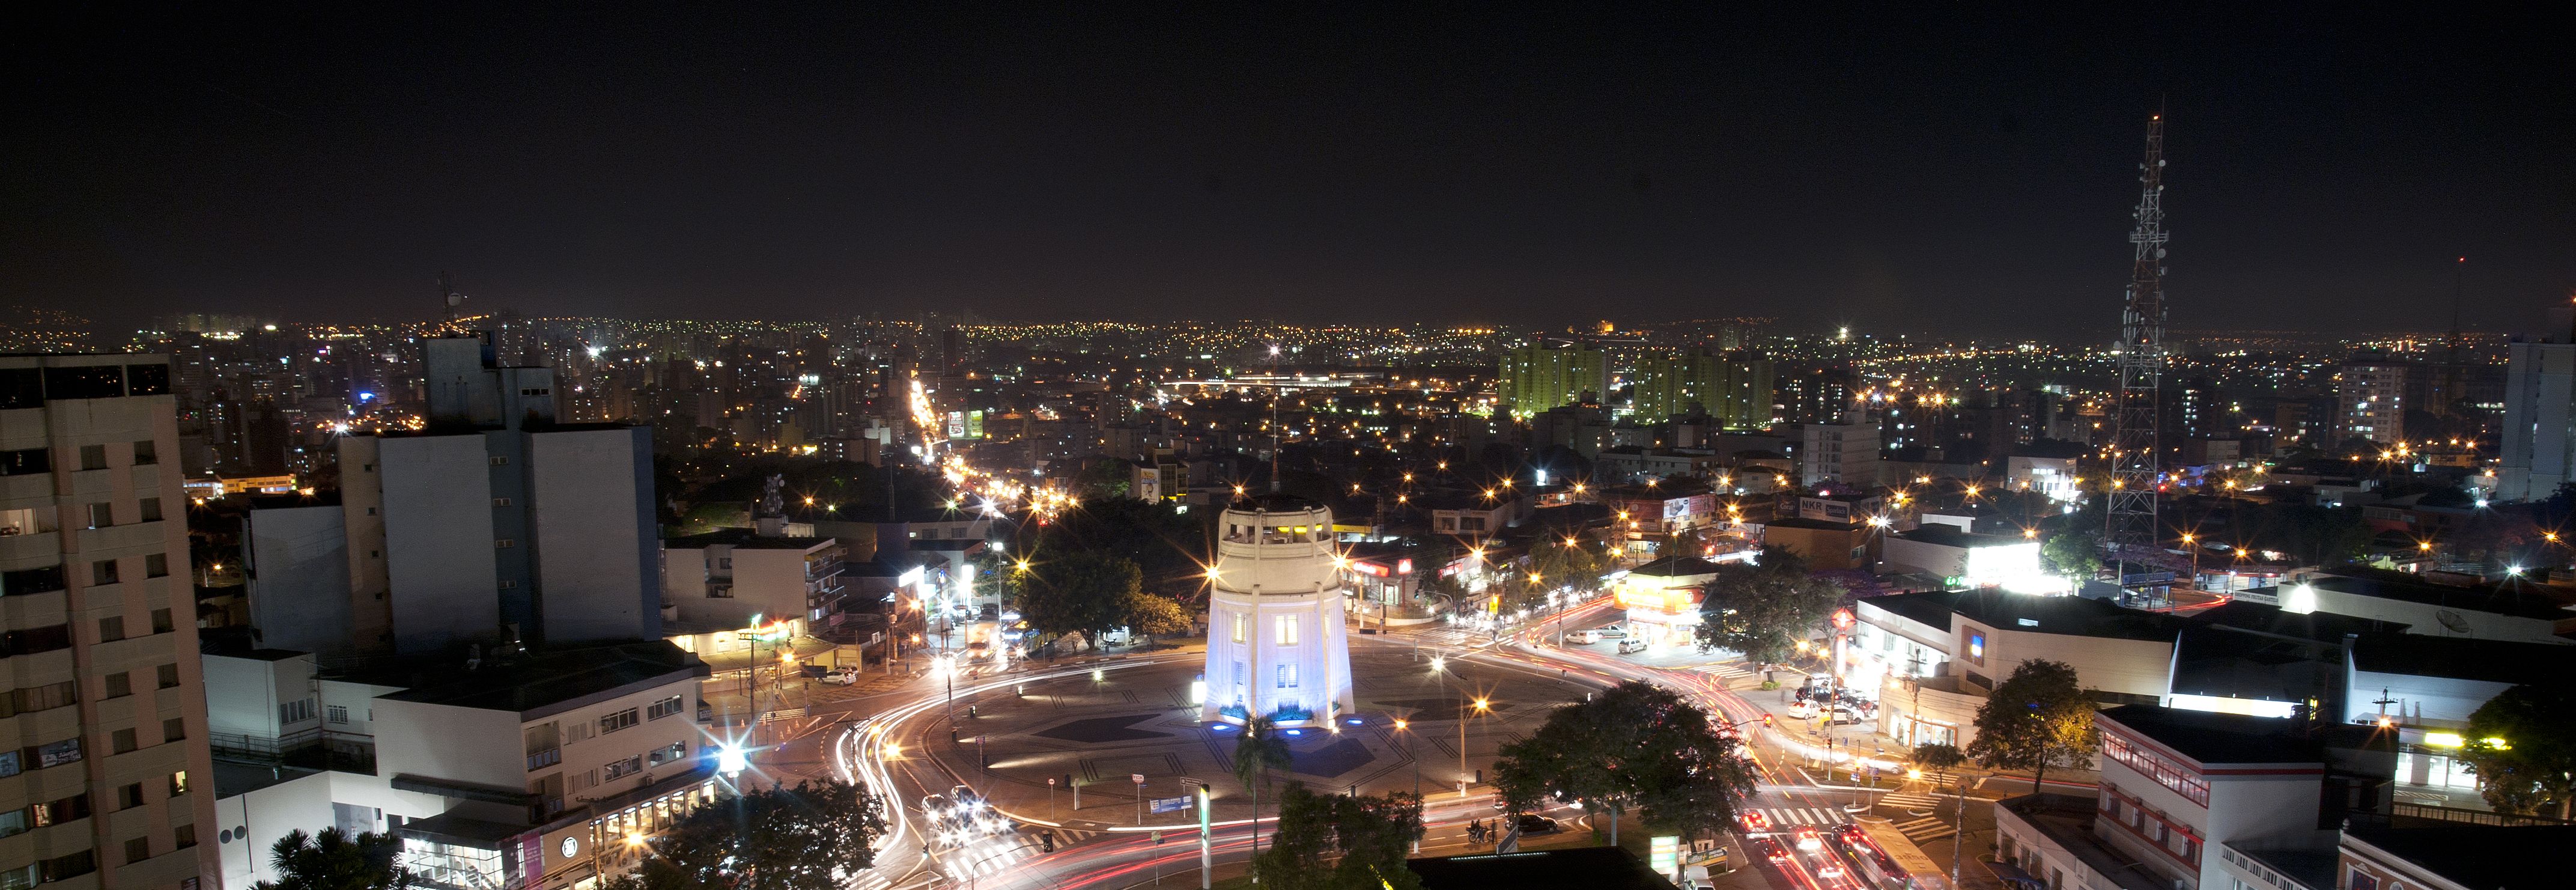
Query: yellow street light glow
<point>1400,725</point>
<point>1481,703</point>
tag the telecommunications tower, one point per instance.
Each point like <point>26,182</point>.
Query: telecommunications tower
<point>2132,530</point>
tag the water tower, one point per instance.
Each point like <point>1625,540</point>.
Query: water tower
<point>1276,645</point>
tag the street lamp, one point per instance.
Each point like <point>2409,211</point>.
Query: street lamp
<point>1462,745</point>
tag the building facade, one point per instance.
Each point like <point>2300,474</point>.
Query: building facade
<point>1735,390</point>
<point>108,783</point>
<point>2539,433</point>
<point>1276,643</point>
<point>2371,393</point>
<point>1539,376</point>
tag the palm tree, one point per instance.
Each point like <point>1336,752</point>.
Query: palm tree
<point>1256,752</point>
<point>334,860</point>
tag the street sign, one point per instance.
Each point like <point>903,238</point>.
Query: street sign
<point>1138,778</point>
<point>1171,804</point>
<point>1663,854</point>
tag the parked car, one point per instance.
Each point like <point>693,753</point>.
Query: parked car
<point>1610,632</point>
<point>1582,638</point>
<point>842,677</point>
<point>1631,647</point>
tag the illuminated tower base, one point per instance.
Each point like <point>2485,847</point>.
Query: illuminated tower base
<point>1276,645</point>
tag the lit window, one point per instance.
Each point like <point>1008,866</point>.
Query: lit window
<point>1287,676</point>
<point>1287,630</point>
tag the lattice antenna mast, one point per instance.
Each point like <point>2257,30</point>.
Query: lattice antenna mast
<point>2133,530</point>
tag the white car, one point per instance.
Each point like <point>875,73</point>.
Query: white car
<point>1609,632</point>
<point>842,677</point>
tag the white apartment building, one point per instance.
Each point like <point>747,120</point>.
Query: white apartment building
<point>506,772</point>
<point>2539,432</point>
<point>2371,393</point>
<point>723,579</point>
<point>1846,451</point>
<point>105,781</point>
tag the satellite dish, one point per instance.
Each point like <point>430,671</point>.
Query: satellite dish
<point>2452,620</point>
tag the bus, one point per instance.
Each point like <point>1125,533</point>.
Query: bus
<point>1889,860</point>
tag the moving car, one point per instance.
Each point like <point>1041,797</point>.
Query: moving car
<point>842,677</point>
<point>1533,824</point>
<point>1754,822</point>
<point>1809,840</point>
<point>1770,849</point>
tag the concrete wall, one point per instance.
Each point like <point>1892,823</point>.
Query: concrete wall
<point>362,501</point>
<point>269,813</point>
<point>243,694</point>
<point>447,742</point>
<point>591,495</point>
<point>438,540</point>
<point>1934,559</point>
<point>2427,701</point>
<point>2135,667</point>
<point>298,562</point>
<point>2420,618</point>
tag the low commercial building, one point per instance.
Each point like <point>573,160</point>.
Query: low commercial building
<point>1662,598</point>
<point>2424,688</point>
<point>2008,562</point>
<point>2177,788</point>
<point>518,771</point>
<point>722,580</point>
<point>2122,656</point>
<point>2474,611</point>
<point>1826,546</point>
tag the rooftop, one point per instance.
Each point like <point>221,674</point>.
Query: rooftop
<point>2067,820</point>
<point>2068,615</point>
<point>2508,858</point>
<point>2495,598</point>
<point>1951,536</point>
<point>1930,608</point>
<point>2459,658</point>
<point>1675,567</point>
<point>549,681</point>
<point>741,539</point>
<point>2323,627</point>
<point>1592,868</point>
<point>2210,737</point>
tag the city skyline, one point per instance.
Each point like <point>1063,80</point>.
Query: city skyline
<point>1942,174</point>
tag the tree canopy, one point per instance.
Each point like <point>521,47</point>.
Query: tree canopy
<point>2522,745</point>
<point>1085,591</point>
<point>816,836</point>
<point>2038,717</point>
<point>1634,745</point>
<point>333,860</point>
<point>1370,835</point>
<point>1764,610</point>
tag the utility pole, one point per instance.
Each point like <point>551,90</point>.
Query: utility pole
<point>2132,530</point>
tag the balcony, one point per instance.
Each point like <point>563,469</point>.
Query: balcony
<point>545,758</point>
<point>319,749</point>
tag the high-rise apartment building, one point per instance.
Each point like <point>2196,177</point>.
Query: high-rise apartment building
<point>1540,376</point>
<point>1733,389</point>
<point>2372,392</point>
<point>493,521</point>
<point>2539,447</point>
<point>1845,452</point>
<point>106,783</point>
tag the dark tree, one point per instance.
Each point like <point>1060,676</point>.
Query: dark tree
<point>1081,591</point>
<point>816,836</point>
<point>1368,838</point>
<point>1257,751</point>
<point>2037,717</point>
<point>1635,745</point>
<point>2522,745</point>
<point>1763,611</point>
<point>334,860</point>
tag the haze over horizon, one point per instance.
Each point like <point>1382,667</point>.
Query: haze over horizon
<point>1914,172</point>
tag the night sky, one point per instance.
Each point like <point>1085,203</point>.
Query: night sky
<point>1478,163</point>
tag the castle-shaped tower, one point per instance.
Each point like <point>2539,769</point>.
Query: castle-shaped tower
<point>1276,646</point>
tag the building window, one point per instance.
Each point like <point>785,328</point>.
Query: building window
<point>296,711</point>
<point>121,741</point>
<point>2362,880</point>
<point>500,502</point>
<point>42,579</point>
<point>1241,625</point>
<point>622,768</point>
<point>1238,675</point>
<point>169,676</point>
<point>504,544</point>
<point>111,628</point>
<point>617,721</point>
<point>138,849</point>
<point>120,685</point>
<point>93,457</point>
<point>174,729</point>
<point>676,752</point>
<point>103,572</point>
<point>161,623</point>
<point>151,509</point>
<point>101,515</point>
<point>25,461</point>
<point>663,708</point>
<point>145,454</point>
<point>1287,630</point>
<point>156,565</point>
<point>129,796</point>
<point>498,460</point>
<point>337,714</point>
<point>30,699</point>
<point>183,837</point>
<point>1287,676</point>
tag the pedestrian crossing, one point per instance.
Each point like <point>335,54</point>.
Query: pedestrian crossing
<point>1727,670</point>
<point>1783,817</point>
<point>1928,828</point>
<point>1907,800</point>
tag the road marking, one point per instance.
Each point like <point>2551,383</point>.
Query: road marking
<point>1930,828</point>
